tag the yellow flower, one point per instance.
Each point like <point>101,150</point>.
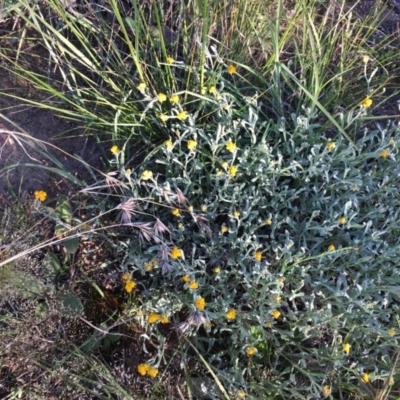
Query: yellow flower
<point>129,286</point>
<point>251,351</point>
<point>126,276</point>
<point>231,314</point>
<point>276,314</point>
<point>193,285</point>
<point>164,319</point>
<point>182,115</point>
<point>153,318</point>
<point>268,221</point>
<point>191,145</point>
<point>176,253</point>
<point>331,145</point>
<point>224,229</point>
<point>114,149</point>
<point>365,59</point>
<point>281,279</point>
<point>217,270</point>
<point>152,372</point>
<point>365,377</point>
<point>326,390</point>
<point>174,99</point>
<point>148,267</point>
<point>185,278</point>
<point>230,146</point>
<point>241,394</point>
<point>342,220</point>
<point>367,102</point>
<point>232,171</point>
<point>141,87</point>
<point>231,69</point>
<point>391,332</point>
<point>346,348</point>
<point>258,255</point>
<point>180,225</point>
<point>268,324</point>
<point>212,89</point>
<point>190,208</point>
<point>175,212</point>
<point>143,369</point>
<point>200,303</point>
<point>331,247</point>
<point>40,195</point>
<point>146,175</point>
<point>169,145</point>
<point>170,60</point>
<point>384,154</point>
<point>277,298</point>
<point>163,117</point>
<point>204,208</point>
<point>128,171</point>
<point>161,97</point>
<point>225,165</point>
<point>236,214</point>
<point>207,324</point>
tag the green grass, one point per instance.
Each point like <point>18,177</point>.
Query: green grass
<point>253,219</point>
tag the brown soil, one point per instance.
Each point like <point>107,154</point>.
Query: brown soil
<point>23,167</point>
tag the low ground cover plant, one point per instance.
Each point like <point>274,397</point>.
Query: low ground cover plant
<point>259,227</point>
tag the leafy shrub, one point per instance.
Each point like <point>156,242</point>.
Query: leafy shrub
<point>271,248</point>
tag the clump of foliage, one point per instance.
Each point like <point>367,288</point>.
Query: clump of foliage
<point>261,224</point>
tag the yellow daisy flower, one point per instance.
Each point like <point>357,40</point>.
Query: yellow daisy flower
<point>367,102</point>
<point>331,145</point>
<point>164,319</point>
<point>146,175</point>
<point>346,348</point>
<point>365,378</point>
<point>174,99</point>
<point>141,87</point>
<point>232,171</point>
<point>193,285</point>
<point>191,144</point>
<point>231,69</point>
<point>143,369</point>
<point>182,115</point>
<point>153,318</point>
<point>115,150</point>
<point>40,195</point>
<point>176,253</point>
<point>230,146</point>
<point>200,303</point>
<point>129,286</point>
<point>276,314</point>
<point>384,154</point>
<point>251,351</point>
<point>153,372</point>
<point>169,145</point>
<point>161,97</point>
<point>231,314</point>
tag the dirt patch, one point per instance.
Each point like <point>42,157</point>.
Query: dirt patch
<point>24,167</point>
